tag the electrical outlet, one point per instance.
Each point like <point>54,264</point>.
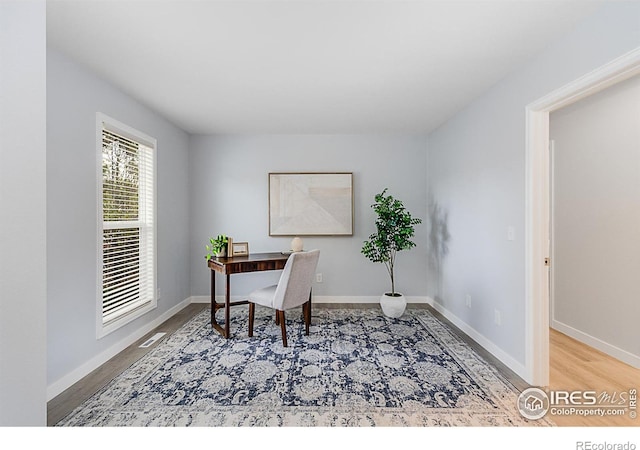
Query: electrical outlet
<point>158,294</point>
<point>511,233</point>
<point>318,278</point>
<point>467,301</point>
<point>497,317</point>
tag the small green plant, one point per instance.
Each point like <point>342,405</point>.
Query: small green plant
<point>394,230</point>
<point>216,246</point>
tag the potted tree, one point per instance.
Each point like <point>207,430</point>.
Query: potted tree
<point>217,247</point>
<point>394,230</point>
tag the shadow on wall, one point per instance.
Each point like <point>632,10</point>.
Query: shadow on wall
<point>438,244</point>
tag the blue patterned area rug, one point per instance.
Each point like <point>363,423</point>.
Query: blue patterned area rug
<point>357,368</point>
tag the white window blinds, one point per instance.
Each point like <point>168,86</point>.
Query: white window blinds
<point>128,231</point>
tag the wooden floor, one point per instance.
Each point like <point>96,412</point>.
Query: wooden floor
<point>576,366</point>
<point>59,407</point>
<point>573,366</point>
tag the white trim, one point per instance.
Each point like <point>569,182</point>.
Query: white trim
<point>605,347</point>
<point>327,299</point>
<point>536,249</point>
<point>105,122</point>
<point>552,254</point>
<point>115,126</point>
<point>620,69</point>
<point>207,299</point>
<point>59,386</point>
<point>100,119</point>
<point>537,203</point>
<point>483,341</point>
<point>125,319</point>
<point>347,299</point>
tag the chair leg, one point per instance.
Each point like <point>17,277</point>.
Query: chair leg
<point>309,311</point>
<point>283,328</point>
<point>306,312</point>
<point>277,318</point>
<point>252,311</point>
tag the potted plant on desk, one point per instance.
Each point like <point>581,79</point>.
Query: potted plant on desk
<point>394,230</point>
<point>217,247</point>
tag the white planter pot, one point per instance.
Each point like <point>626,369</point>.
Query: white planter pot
<point>393,306</point>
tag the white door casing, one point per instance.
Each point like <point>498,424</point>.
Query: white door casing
<point>538,203</point>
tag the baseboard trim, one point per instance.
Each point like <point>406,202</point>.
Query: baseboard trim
<point>333,299</point>
<point>59,386</point>
<point>611,350</point>
<point>517,367</point>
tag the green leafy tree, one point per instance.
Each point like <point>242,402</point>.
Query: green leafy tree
<point>394,230</point>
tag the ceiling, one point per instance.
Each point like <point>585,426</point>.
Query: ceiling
<point>307,66</point>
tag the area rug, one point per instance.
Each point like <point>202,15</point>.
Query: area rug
<point>356,368</point>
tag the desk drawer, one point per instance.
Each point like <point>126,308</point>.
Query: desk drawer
<point>258,266</point>
<point>250,267</point>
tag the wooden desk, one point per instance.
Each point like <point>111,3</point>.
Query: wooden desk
<point>255,262</point>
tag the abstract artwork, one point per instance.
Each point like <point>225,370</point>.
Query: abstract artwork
<point>311,204</point>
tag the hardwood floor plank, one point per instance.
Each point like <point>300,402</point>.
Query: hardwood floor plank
<point>576,366</point>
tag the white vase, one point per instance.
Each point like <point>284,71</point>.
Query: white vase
<point>393,306</point>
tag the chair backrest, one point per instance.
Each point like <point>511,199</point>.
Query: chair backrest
<point>296,279</point>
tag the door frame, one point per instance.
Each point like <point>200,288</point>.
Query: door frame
<point>537,209</point>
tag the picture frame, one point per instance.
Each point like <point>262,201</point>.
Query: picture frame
<point>311,204</point>
<point>239,249</point>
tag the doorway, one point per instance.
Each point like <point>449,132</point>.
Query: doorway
<point>537,214</point>
<point>595,216</point>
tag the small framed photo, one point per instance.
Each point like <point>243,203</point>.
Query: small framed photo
<point>239,248</point>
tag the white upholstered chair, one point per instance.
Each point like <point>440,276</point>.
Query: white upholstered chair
<point>293,290</point>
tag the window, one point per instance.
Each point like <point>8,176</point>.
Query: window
<point>126,238</point>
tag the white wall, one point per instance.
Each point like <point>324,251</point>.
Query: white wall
<point>74,95</point>
<point>596,185</point>
<point>22,213</point>
<point>477,182</point>
<point>229,193</point>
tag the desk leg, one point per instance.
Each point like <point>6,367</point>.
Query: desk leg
<point>213,299</point>
<point>215,306</point>
<point>227,309</point>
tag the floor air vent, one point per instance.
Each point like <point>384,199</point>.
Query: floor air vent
<point>153,339</point>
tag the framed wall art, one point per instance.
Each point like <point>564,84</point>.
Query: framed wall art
<point>311,204</point>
